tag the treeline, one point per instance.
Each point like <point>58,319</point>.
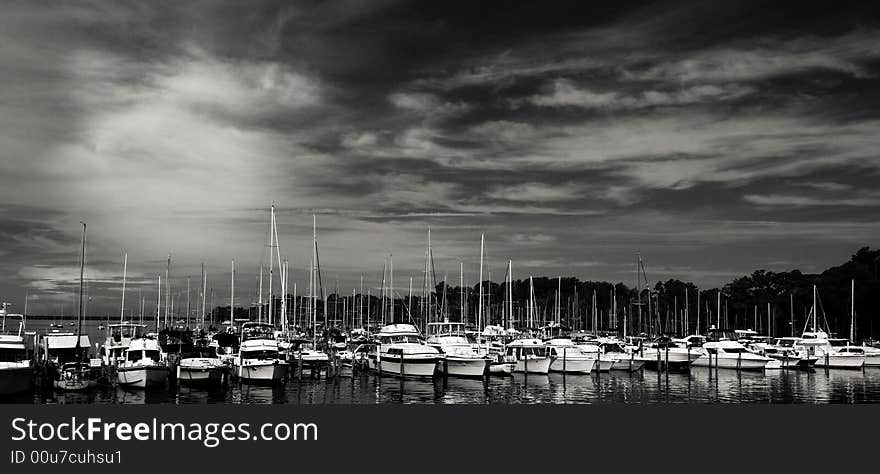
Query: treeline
<point>776,303</point>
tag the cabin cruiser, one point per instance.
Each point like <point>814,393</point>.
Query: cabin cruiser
<point>144,365</point>
<point>816,343</point>
<point>459,357</point>
<point>16,368</point>
<point>258,359</point>
<point>871,354</point>
<point>665,352</point>
<point>530,356</point>
<point>593,349</point>
<point>118,339</point>
<point>400,351</point>
<point>729,355</point>
<point>569,358</point>
<point>63,357</point>
<point>783,350</point>
<point>624,358</point>
<point>202,365</point>
<point>492,345</point>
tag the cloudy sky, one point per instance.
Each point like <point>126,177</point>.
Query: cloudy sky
<point>713,137</point>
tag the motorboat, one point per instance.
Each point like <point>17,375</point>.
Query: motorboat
<point>729,355</point>
<point>400,351</point>
<point>783,350</point>
<point>459,357</point>
<point>569,358</point>
<point>16,368</point>
<point>258,359</point>
<point>144,365</point>
<point>664,352</point>
<point>119,337</point>
<point>530,356</point>
<point>492,344</point>
<point>624,359</point>
<point>75,377</point>
<point>62,354</point>
<point>816,343</point>
<point>202,365</point>
<point>871,354</point>
<point>592,348</point>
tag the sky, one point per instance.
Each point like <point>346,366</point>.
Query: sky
<point>712,137</point>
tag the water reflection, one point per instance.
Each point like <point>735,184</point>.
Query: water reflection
<point>701,385</point>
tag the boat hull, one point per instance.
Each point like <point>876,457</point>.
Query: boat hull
<point>533,366</point>
<point>730,363</point>
<point>841,361</point>
<point>262,372</point>
<point>199,375</point>
<point>572,366</point>
<point>16,380</point>
<point>872,360</point>
<point>464,367</point>
<point>142,377</point>
<point>675,360</point>
<point>627,363</point>
<point>501,368</point>
<point>411,367</point>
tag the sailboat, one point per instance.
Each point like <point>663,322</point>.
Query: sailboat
<point>76,374</point>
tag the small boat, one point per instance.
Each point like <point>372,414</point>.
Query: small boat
<point>530,355</point>
<point>459,357</point>
<point>258,359</point>
<point>401,351</point>
<point>569,358</point>
<point>75,377</point>
<point>617,351</point>
<point>871,354</point>
<point>144,365</point>
<point>16,368</point>
<point>783,350</point>
<point>667,353</point>
<point>493,346</point>
<point>202,366</point>
<point>816,344</point>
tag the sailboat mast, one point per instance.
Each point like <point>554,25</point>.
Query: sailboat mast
<point>260,296</point>
<point>158,299</point>
<point>852,312</point>
<point>232,297</point>
<point>558,297</point>
<point>509,293</point>
<point>204,292</point>
<point>461,291</point>
<point>167,289</point>
<point>82,266</point>
<point>124,270</point>
<point>480,298</point>
<point>391,291</point>
<point>188,306</point>
<point>314,281</point>
<point>271,314</point>
<point>814,309</point>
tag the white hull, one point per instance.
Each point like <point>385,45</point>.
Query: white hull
<point>672,358</point>
<point>464,367</point>
<point>569,366</point>
<point>630,364</point>
<point>501,368</point>
<point>142,377</point>
<point>74,385</point>
<point>262,372</point>
<point>16,380</point>
<point>196,375</point>
<point>420,367</point>
<point>533,366</point>
<point>872,360</point>
<point>730,362</point>
<point>841,361</point>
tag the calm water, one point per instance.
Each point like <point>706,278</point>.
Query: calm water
<point>701,385</point>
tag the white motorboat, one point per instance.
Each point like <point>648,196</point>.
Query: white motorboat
<point>569,358</point>
<point>401,352</point>
<point>202,366</point>
<point>144,365</point>
<point>16,368</point>
<point>593,349</point>
<point>75,377</point>
<point>530,356</point>
<point>118,339</point>
<point>816,343</point>
<point>622,358</point>
<point>258,359</point>
<point>460,358</point>
<point>492,345</point>
<point>729,355</point>
<point>664,352</point>
<point>783,351</point>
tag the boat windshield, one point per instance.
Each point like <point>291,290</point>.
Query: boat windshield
<point>838,342</point>
<point>785,342</point>
<point>134,356</point>
<point>735,350</point>
<point>259,354</point>
<point>400,339</point>
<point>257,332</point>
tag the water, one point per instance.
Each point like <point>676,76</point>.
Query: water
<point>701,385</point>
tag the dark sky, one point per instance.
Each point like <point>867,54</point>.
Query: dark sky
<point>713,137</point>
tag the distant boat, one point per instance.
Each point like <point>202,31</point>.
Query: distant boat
<point>144,365</point>
<point>402,352</point>
<point>459,357</point>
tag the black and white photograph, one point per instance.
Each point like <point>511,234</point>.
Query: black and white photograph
<point>439,202</point>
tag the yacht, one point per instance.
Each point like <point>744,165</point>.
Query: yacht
<point>569,358</point>
<point>400,351</point>
<point>783,350</point>
<point>817,344</point>
<point>493,345</point>
<point>144,365</point>
<point>530,356</point>
<point>726,354</point>
<point>459,357</point>
<point>258,359</point>
<point>118,339</point>
<point>202,365</point>
<point>665,352</point>
<point>16,368</point>
<point>593,349</point>
<point>623,358</point>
